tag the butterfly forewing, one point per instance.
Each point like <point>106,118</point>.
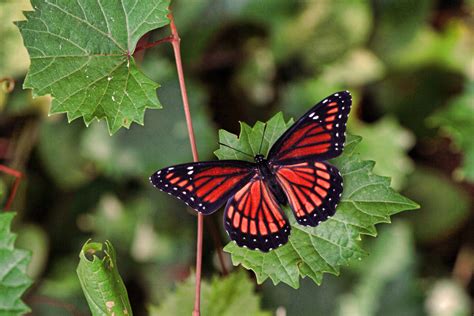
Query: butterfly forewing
<point>318,135</point>
<point>204,186</point>
<point>254,219</point>
<point>313,190</point>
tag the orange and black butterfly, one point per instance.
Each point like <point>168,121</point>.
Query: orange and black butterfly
<point>294,173</point>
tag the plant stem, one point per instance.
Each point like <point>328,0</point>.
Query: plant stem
<point>175,41</point>
<point>169,39</point>
<point>17,174</point>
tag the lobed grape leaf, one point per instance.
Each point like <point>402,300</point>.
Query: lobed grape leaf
<point>311,251</point>
<point>81,54</point>
<point>232,295</point>
<point>13,265</point>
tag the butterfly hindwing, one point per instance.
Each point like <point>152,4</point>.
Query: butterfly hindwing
<point>254,219</point>
<point>313,190</point>
<point>204,186</point>
<point>318,135</point>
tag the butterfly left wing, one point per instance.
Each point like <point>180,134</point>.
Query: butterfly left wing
<point>313,190</point>
<point>254,219</point>
<point>204,186</point>
<point>318,135</point>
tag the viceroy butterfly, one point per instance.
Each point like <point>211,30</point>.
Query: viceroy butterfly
<point>294,173</point>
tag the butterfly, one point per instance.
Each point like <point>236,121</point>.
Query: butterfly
<point>295,172</point>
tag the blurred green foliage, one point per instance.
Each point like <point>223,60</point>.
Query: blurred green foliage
<point>222,296</point>
<point>408,65</point>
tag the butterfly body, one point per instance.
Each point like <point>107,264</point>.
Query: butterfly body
<point>294,173</point>
<point>267,175</point>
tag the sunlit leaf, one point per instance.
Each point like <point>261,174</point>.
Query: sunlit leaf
<point>91,73</point>
<point>12,64</point>
<point>13,265</point>
<point>311,251</point>
<point>448,297</point>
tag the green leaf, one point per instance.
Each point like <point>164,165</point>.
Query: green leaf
<point>250,138</point>
<point>457,121</point>
<point>232,295</point>
<point>82,56</point>
<point>100,280</point>
<point>13,265</point>
<point>367,200</point>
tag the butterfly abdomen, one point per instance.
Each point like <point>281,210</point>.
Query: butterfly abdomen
<point>267,175</point>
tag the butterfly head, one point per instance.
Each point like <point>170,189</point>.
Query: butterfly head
<point>259,158</point>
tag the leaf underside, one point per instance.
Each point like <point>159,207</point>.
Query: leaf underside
<point>100,280</point>
<point>81,54</point>
<point>311,251</point>
<point>13,264</point>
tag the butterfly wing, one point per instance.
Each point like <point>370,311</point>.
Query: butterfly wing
<point>254,219</point>
<point>318,135</point>
<point>204,186</point>
<point>313,190</point>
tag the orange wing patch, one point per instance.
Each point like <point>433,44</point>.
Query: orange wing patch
<point>313,190</point>
<point>254,219</point>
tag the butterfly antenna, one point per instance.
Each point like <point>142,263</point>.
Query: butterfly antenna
<point>263,137</point>
<point>225,145</point>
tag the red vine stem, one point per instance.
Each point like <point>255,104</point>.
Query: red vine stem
<point>175,41</point>
<point>17,174</point>
<point>168,39</point>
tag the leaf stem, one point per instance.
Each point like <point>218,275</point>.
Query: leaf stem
<point>168,39</point>
<point>175,41</point>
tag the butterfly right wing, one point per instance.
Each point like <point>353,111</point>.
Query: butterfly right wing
<point>313,190</point>
<point>254,219</point>
<point>204,186</point>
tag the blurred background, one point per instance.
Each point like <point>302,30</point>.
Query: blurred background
<point>410,68</point>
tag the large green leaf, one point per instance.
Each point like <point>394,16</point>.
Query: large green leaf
<point>100,280</point>
<point>81,54</point>
<point>13,265</point>
<point>232,295</point>
<point>367,200</point>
